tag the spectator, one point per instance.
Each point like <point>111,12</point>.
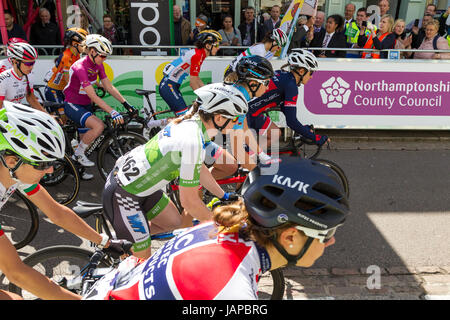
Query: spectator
<point>13,29</point>
<point>86,24</point>
<point>349,13</point>
<point>384,8</point>
<point>331,37</point>
<point>201,23</point>
<point>231,36</point>
<point>430,9</point>
<point>401,40</point>
<point>381,40</point>
<point>182,27</point>
<point>433,41</point>
<point>419,34</point>
<point>318,21</point>
<point>274,21</point>
<point>112,32</point>
<point>218,18</point>
<point>362,23</point>
<point>45,32</point>
<point>444,21</point>
<point>304,25</point>
<point>247,28</point>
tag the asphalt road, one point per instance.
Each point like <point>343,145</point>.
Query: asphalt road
<point>399,201</point>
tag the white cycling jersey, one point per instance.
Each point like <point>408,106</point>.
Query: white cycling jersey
<point>5,64</point>
<point>14,88</point>
<point>199,264</point>
<point>257,49</point>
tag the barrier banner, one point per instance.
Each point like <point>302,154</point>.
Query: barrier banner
<point>151,26</point>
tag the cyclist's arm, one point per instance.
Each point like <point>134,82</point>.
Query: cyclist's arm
<point>107,85</point>
<point>195,82</point>
<point>96,99</point>
<point>63,216</point>
<point>191,201</point>
<point>28,278</point>
<point>33,101</point>
<point>208,181</point>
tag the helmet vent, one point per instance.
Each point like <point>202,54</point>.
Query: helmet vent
<point>44,124</point>
<point>273,190</point>
<point>18,143</point>
<point>3,130</point>
<point>266,203</point>
<point>24,131</point>
<point>16,106</point>
<point>45,145</point>
<point>28,122</point>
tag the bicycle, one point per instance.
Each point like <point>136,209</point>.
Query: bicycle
<point>19,219</point>
<point>86,209</point>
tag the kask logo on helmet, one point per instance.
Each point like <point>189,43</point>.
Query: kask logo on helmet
<point>14,132</point>
<point>286,181</point>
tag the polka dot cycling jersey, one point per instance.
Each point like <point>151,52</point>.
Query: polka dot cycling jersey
<point>189,63</point>
<point>199,264</point>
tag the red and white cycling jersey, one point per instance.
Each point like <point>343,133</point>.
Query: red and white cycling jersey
<point>187,64</point>
<point>12,87</point>
<point>198,264</point>
<point>5,64</point>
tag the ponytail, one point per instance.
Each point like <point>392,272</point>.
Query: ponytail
<point>194,110</point>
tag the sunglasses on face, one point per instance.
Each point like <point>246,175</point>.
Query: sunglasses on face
<point>41,166</point>
<point>323,235</point>
<point>263,82</point>
<point>29,64</point>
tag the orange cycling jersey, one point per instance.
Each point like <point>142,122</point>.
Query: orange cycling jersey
<point>61,68</point>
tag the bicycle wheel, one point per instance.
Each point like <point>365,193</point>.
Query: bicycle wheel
<point>64,183</point>
<point>340,173</point>
<point>278,284</point>
<point>58,263</point>
<point>19,220</point>
<point>112,148</point>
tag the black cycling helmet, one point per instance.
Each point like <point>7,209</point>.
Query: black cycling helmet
<point>303,192</point>
<point>254,67</point>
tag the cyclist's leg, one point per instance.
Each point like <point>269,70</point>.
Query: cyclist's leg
<point>170,92</point>
<point>124,212</point>
<point>6,295</point>
<point>161,212</point>
<point>53,95</point>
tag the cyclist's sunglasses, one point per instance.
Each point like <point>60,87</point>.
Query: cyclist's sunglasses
<point>263,82</point>
<point>323,235</point>
<point>29,64</point>
<point>41,166</point>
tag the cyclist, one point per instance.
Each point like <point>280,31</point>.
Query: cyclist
<point>283,92</point>
<point>30,141</point>
<point>6,64</point>
<point>80,94</point>
<point>271,43</point>
<point>73,47</point>
<point>133,191</point>
<point>15,83</point>
<point>252,77</point>
<point>273,226</point>
<point>188,64</point>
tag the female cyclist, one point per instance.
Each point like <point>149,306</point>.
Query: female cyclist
<point>133,191</point>
<point>252,77</point>
<point>273,226</point>
<point>188,64</point>
<point>30,141</point>
<point>73,47</point>
<point>79,94</point>
<point>283,92</point>
<point>15,83</point>
<point>6,64</point>
<point>271,43</point>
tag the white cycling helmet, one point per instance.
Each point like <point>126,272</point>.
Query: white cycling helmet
<point>33,135</point>
<point>303,59</point>
<point>100,43</point>
<point>279,36</point>
<point>225,100</point>
<point>22,51</point>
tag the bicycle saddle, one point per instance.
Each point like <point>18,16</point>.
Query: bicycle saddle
<point>144,92</point>
<point>85,209</point>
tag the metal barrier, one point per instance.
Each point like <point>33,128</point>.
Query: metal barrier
<point>161,50</point>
